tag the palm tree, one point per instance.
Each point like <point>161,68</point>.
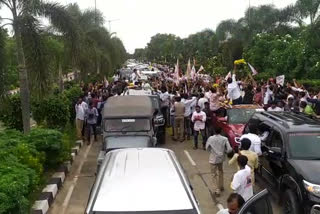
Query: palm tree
<point>22,12</point>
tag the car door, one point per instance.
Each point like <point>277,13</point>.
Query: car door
<point>258,204</point>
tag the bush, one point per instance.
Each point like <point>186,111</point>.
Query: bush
<point>22,160</point>
<point>48,142</point>
<point>10,112</point>
<point>13,142</point>
<point>73,95</point>
<point>52,112</point>
<point>57,112</point>
<point>17,181</point>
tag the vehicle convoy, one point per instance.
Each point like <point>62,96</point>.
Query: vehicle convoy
<point>291,158</point>
<point>141,180</point>
<point>233,121</point>
<point>128,121</point>
<point>159,120</point>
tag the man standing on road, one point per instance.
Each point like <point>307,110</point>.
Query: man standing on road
<point>202,101</point>
<point>179,109</point>
<point>188,103</point>
<point>79,118</point>
<point>218,146</point>
<point>242,181</point>
<point>199,120</point>
<point>235,202</point>
<point>92,116</point>
<point>253,161</point>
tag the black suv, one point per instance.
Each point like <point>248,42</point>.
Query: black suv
<point>291,157</point>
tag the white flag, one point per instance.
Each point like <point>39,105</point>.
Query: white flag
<point>280,80</point>
<point>200,69</point>
<point>254,71</point>
<point>228,76</point>
<point>188,69</point>
<point>193,72</point>
<point>176,73</point>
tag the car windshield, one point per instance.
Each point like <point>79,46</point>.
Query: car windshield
<point>127,125</point>
<point>305,146</point>
<point>239,116</point>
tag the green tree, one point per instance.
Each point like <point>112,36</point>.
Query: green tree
<point>25,13</point>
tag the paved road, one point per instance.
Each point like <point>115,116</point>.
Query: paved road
<point>73,197</point>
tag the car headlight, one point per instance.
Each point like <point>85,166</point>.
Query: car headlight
<point>312,188</point>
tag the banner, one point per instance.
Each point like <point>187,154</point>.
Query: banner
<point>254,71</point>
<point>280,80</point>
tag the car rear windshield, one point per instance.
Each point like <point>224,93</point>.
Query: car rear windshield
<point>193,211</point>
<point>240,116</point>
<point>127,125</point>
<point>305,146</point>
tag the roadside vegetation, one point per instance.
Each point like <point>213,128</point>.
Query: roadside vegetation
<point>275,41</point>
<point>36,59</point>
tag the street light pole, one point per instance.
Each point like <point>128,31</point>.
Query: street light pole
<point>95,12</point>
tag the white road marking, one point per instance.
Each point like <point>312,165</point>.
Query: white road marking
<point>220,207</point>
<point>190,158</point>
<point>74,181</point>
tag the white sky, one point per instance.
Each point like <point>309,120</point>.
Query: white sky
<point>139,20</point>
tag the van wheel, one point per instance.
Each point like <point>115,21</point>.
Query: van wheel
<point>290,203</point>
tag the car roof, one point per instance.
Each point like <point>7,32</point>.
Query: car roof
<point>246,107</point>
<point>141,179</point>
<point>293,122</point>
<point>128,106</point>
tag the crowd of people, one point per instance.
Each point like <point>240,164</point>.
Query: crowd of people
<point>189,104</point>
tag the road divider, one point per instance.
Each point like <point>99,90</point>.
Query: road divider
<point>49,192</point>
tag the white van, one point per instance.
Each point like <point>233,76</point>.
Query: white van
<point>141,180</point>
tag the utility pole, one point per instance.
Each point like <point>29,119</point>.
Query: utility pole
<point>110,21</point>
<point>95,12</point>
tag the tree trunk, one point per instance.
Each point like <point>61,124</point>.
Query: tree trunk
<point>60,78</point>
<point>24,84</point>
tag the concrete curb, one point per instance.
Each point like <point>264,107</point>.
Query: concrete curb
<point>48,194</point>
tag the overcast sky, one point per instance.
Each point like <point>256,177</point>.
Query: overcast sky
<point>138,20</point>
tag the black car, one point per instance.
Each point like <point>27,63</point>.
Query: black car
<point>291,157</point>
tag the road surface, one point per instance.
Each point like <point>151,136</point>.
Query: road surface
<point>73,197</point>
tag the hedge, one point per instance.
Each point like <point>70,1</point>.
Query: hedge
<point>24,158</point>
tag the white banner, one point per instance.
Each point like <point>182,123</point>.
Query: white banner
<point>280,80</point>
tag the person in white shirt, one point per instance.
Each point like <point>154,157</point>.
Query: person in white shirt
<point>274,107</point>
<point>268,95</point>
<point>199,120</point>
<point>255,142</point>
<point>235,202</point>
<point>80,114</point>
<point>134,76</point>
<point>242,181</point>
<point>202,101</point>
<point>188,103</point>
<point>234,92</point>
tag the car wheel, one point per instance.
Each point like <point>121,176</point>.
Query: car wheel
<point>290,203</point>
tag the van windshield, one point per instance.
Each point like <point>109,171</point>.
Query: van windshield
<point>305,146</point>
<point>127,125</point>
